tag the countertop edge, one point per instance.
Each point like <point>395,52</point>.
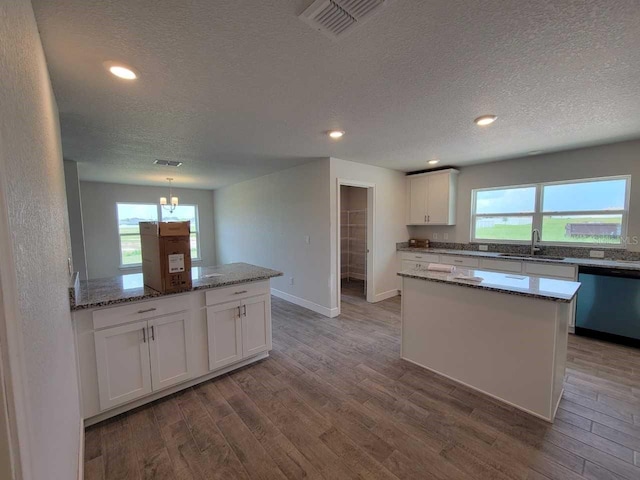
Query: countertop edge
<point>492,288</point>
<point>148,296</point>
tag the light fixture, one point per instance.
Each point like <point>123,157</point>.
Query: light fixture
<point>120,71</point>
<point>485,120</point>
<point>433,162</point>
<point>335,134</point>
<point>174,200</point>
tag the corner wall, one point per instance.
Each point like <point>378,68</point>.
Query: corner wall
<point>265,221</point>
<point>389,222</point>
<point>602,161</point>
<point>35,244</point>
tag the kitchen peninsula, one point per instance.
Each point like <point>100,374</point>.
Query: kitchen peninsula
<point>502,334</point>
<point>136,345</point>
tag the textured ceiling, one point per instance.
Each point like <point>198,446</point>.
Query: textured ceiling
<point>237,89</point>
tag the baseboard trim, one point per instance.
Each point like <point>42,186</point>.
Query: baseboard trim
<point>81,452</point>
<point>384,295</point>
<point>327,312</point>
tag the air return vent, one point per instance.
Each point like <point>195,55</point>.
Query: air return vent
<point>336,18</point>
<point>168,163</point>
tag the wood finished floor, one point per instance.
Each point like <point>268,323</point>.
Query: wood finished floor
<point>335,401</point>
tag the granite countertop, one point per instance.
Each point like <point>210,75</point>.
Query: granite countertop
<point>586,262</point>
<point>511,283</point>
<point>130,288</point>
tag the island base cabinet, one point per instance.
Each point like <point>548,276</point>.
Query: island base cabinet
<point>122,358</point>
<point>224,326</point>
<point>256,325</point>
<point>169,349</point>
<point>238,330</point>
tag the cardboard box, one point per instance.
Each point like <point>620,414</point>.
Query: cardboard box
<point>166,256</point>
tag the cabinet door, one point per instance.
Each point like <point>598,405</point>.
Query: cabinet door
<point>224,331</point>
<point>122,358</point>
<point>170,344</point>
<point>417,200</point>
<point>256,325</point>
<point>438,199</point>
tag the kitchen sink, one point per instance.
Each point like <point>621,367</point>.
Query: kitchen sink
<point>528,255</point>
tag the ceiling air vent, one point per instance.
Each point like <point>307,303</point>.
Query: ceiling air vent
<point>168,163</point>
<point>336,18</point>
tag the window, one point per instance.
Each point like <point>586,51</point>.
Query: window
<point>130,214</point>
<point>588,212</point>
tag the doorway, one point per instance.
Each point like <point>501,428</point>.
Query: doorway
<point>354,245</point>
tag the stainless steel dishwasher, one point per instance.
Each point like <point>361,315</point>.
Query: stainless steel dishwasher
<point>608,305</point>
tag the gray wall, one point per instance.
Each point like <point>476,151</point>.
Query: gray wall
<point>264,221</point>
<point>606,160</point>
<point>100,222</point>
<point>74,207</point>
<point>35,249</point>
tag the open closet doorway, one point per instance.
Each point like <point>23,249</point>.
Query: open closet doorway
<point>355,242</point>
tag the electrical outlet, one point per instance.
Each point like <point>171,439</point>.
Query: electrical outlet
<point>291,281</point>
<point>596,253</point>
<point>446,236</point>
<point>435,236</point>
<point>483,248</point>
<point>307,239</point>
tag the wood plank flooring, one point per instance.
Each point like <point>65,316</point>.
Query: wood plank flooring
<point>335,401</point>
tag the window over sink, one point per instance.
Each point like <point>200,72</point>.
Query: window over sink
<point>584,212</point>
<point>130,214</point>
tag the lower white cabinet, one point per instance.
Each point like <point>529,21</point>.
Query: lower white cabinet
<point>136,359</point>
<point>170,350</point>
<point>124,369</point>
<point>224,331</point>
<point>238,330</point>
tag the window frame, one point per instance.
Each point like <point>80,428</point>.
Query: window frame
<point>159,212</point>
<point>539,215</point>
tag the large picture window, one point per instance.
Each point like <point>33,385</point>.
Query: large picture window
<point>587,212</point>
<point>130,214</point>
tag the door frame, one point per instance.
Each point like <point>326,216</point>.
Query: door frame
<point>371,244</point>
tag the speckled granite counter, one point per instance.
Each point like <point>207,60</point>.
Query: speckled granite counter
<point>511,283</point>
<point>130,288</point>
<point>587,262</point>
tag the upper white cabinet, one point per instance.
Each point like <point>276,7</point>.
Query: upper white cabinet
<point>431,198</point>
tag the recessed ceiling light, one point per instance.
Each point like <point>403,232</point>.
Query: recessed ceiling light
<point>433,162</point>
<point>120,71</point>
<point>485,120</point>
<point>336,134</point>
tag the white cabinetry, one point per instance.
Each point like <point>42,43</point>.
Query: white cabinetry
<point>238,330</point>
<point>124,370</point>
<point>431,198</point>
<point>138,358</point>
<point>224,327</point>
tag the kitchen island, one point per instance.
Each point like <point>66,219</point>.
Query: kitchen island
<point>135,345</point>
<point>502,334</point>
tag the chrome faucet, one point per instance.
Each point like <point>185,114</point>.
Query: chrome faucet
<point>535,237</point>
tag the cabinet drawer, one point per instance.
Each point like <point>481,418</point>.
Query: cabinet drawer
<point>459,261</point>
<point>546,270</point>
<point>420,257</point>
<point>135,311</point>
<point>236,292</point>
<point>501,265</point>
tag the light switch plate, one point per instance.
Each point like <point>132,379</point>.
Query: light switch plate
<point>483,248</point>
<point>596,253</point>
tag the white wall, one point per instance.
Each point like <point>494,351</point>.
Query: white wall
<point>35,247</point>
<point>606,160</point>
<point>74,207</point>
<point>389,221</point>
<point>264,221</point>
<point>99,212</point>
